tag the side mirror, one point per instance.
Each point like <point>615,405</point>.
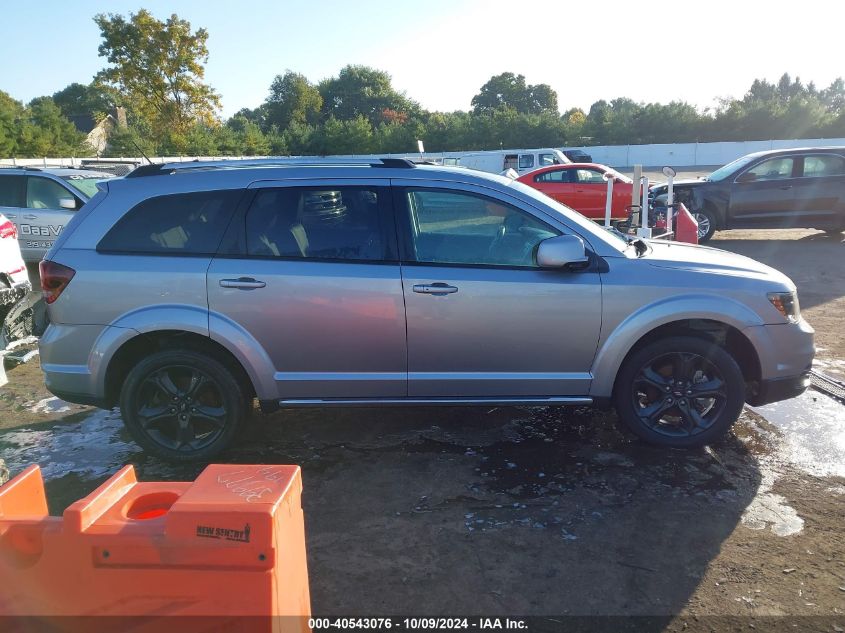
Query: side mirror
<point>560,251</point>
<point>747,177</point>
<point>67,203</point>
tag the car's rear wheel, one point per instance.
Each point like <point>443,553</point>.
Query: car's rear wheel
<point>182,405</point>
<point>682,391</point>
<point>706,224</point>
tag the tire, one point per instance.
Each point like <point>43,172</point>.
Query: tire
<point>653,395</point>
<point>705,218</point>
<point>194,405</point>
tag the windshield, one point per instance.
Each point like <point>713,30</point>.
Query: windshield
<point>86,185</point>
<point>613,238</point>
<point>727,170</point>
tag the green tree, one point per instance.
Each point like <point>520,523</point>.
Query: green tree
<point>293,99</point>
<point>511,91</point>
<point>362,91</point>
<point>11,112</point>
<point>45,131</point>
<point>79,98</point>
<point>157,68</point>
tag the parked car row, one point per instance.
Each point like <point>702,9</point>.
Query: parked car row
<point>41,201</point>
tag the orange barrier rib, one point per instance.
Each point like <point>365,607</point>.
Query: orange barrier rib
<point>232,543</point>
<point>686,228</point>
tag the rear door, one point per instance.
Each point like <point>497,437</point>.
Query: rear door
<point>764,194</point>
<point>42,219</point>
<point>590,192</point>
<point>556,184</point>
<point>310,273</point>
<point>820,191</point>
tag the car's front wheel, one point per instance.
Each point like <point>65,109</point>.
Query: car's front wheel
<point>681,391</point>
<point>182,405</point>
<point>706,224</point>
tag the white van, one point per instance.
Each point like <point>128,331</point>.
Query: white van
<point>520,160</point>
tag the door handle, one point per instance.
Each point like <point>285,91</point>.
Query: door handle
<point>10,215</point>
<point>785,187</point>
<point>438,288</point>
<point>242,283</point>
<point>30,216</point>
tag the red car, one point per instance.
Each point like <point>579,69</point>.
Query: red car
<point>582,187</point>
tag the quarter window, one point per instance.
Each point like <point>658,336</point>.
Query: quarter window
<point>816,166</point>
<point>186,223</point>
<point>462,228</point>
<point>316,223</point>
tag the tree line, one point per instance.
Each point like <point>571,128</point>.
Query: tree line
<point>155,74</point>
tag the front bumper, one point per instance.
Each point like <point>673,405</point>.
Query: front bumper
<point>778,389</point>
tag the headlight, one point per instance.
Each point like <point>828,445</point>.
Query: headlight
<point>787,304</point>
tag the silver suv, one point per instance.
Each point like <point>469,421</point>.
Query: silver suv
<point>41,201</point>
<point>183,291</point>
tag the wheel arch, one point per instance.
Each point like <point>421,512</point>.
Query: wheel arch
<point>143,344</point>
<point>683,316</point>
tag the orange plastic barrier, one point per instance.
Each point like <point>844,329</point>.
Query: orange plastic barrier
<point>686,228</point>
<point>232,543</point>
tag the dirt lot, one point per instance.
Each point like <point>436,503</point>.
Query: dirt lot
<point>531,511</point>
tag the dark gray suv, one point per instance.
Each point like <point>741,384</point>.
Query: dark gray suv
<point>183,291</point>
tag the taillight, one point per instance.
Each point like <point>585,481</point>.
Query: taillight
<point>7,229</point>
<point>54,279</point>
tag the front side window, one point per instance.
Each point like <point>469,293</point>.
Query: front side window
<point>772,169</point>
<point>42,193</point>
<point>185,223</point>
<point>463,228</point>
<point>824,165</point>
<point>316,223</point>
<point>548,159</point>
<point>526,161</point>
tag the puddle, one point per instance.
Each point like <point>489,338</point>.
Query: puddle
<point>769,510</point>
<point>813,428</point>
<point>92,447</point>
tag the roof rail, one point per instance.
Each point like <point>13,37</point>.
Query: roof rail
<point>23,167</point>
<point>316,161</point>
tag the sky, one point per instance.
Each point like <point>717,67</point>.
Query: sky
<point>440,52</point>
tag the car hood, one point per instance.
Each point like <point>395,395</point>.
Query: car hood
<point>679,256</point>
<point>687,182</point>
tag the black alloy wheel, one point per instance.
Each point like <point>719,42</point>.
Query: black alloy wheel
<point>182,405</point>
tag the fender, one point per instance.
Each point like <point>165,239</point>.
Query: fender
<point>184,318</point>
<point>636,325</point>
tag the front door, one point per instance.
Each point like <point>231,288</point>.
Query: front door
<point>483,319</point>
<point>315,282</point>
<point>764,194</point>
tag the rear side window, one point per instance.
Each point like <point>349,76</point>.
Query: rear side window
<point>185,223</point>
<point>11,191</point>
<point>316,223</point>
<point>825,165</point>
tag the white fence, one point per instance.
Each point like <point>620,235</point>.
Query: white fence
<point>691,154</point>
<point>656,155</point>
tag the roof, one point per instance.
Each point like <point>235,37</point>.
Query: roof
<point>55,171</point>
